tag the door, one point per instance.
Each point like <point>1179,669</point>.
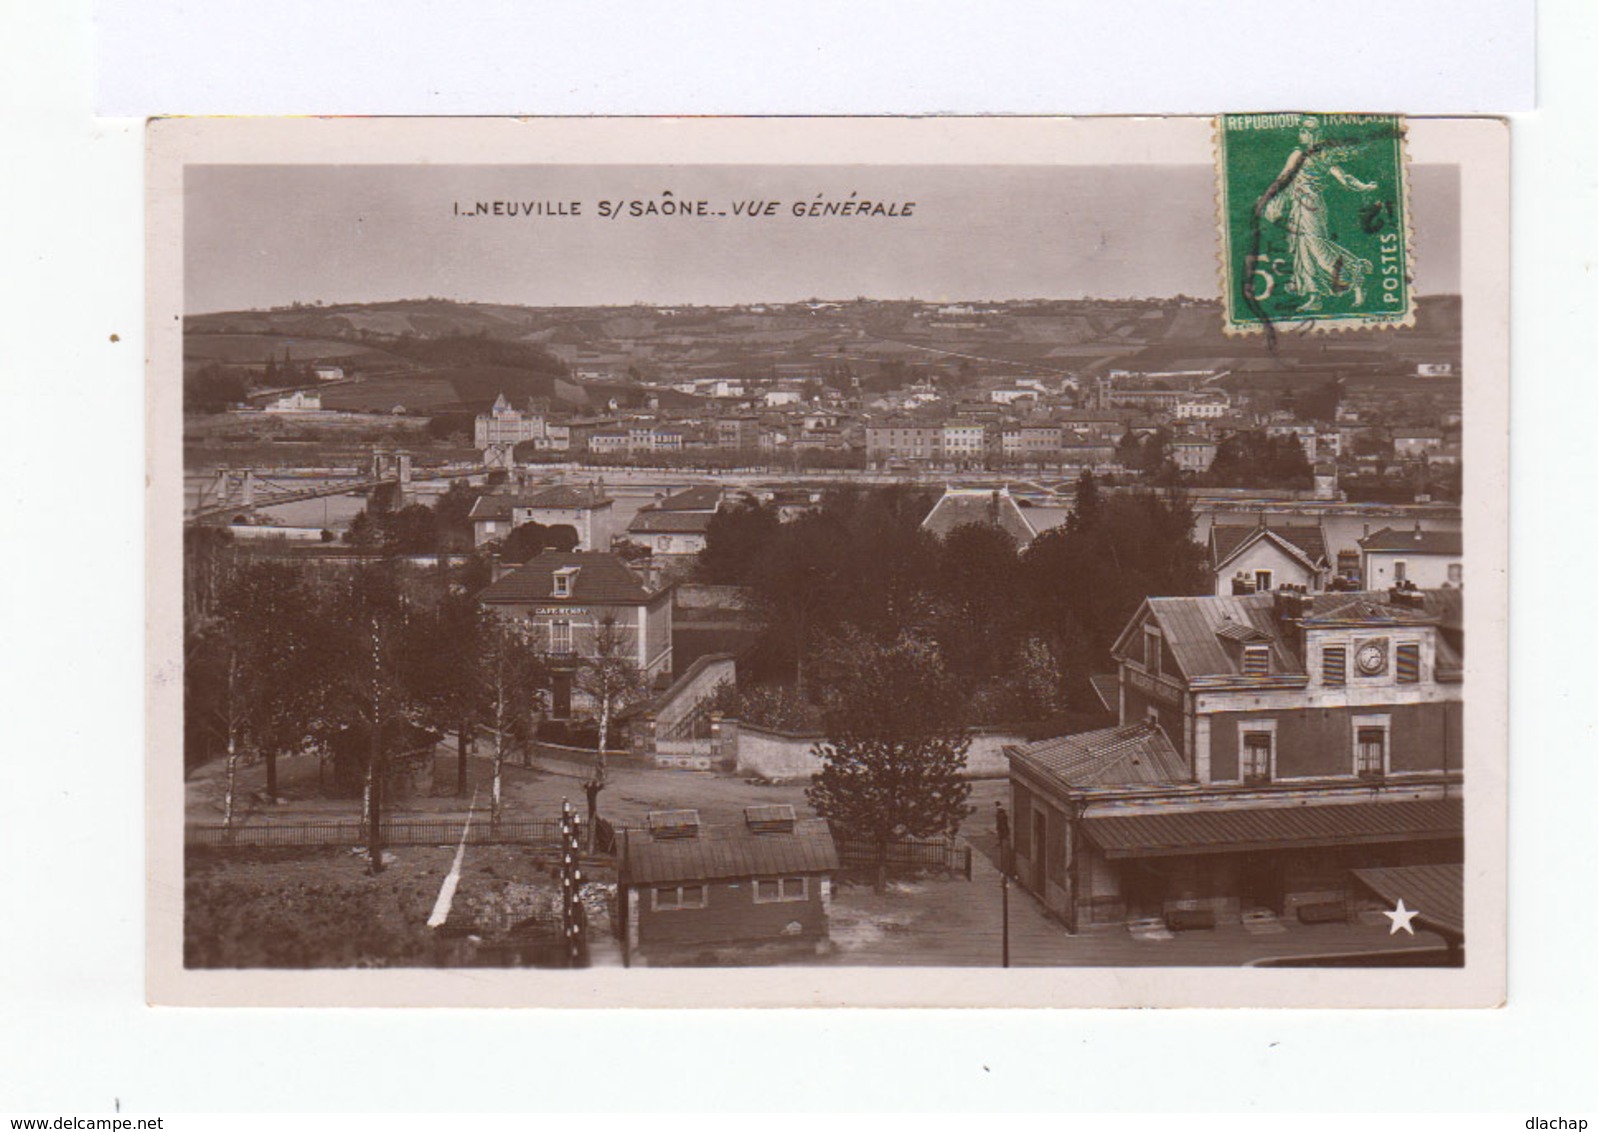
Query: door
<point>561,695</point>
<point>1260,882</point>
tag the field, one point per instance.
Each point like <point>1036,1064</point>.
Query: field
<point>255,349</point>
<point>296,908</point>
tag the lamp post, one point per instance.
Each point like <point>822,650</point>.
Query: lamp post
<point>1004,889</point>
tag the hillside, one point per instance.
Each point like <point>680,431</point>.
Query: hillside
<point>433,355</point>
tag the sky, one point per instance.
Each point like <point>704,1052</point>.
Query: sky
<point>269,235</point>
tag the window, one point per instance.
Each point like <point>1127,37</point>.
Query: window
<point>782,890</point>
<point>1370,752</point>
<point>675,899</point>
<point>1456,574</point>
<point>564,578</point>
<point>1262,581</point>
<point>1334,664</point>
<point>1256,756</point>
<point>1400,571</point>
<point>1408,663</point>
<point>1256,660</point>
<point>1151,649</point>
<point>560,637</point>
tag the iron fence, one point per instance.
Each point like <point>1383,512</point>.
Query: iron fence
<point>396,831</point>
<point>946,854</point>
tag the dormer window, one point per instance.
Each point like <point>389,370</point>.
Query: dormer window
<point>565,579</point>
<point>1256,660</point>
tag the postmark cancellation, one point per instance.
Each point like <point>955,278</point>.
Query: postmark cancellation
<point>1314,222</point>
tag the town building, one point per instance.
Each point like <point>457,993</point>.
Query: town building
<point>902,440</point>
<point>688,893</point>
<point>498,432</point>
<point>1416,443</point>
<point>587,510</point>
<point>1095,424</point>
<point>1194,407</point>
<point>1424,559</point>
<point>610,443</point>
<point>964,442</point>
<point>738,432</point>
<point>1256,558</point>
<point>299,401</point>
<point>567,599</point>
<point>1193,454</point>
<point>676,527</point>
<point>1268,747</point>
<point>1092,454</point>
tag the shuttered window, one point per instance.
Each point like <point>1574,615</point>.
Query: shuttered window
<point>1256,756</point>
<point>1408,664</point>
<point>1257,660</point>
<point>1334,664</point>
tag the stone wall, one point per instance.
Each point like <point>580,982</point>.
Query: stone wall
<point>784,756</point>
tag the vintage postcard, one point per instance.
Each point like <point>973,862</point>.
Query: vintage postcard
<point>890,562</point>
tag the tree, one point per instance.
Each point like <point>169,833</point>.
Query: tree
<point>530,539</point>
<point>1087,505</point>
<point>977,614</point>
<point>273,631</point>
<point>449,677</point>
<point>367,631</point>
<point>454,510</point>
<point>734,540</point>
<point>896,744</point>
<point>1255,459</point>
<point>1081,583</point>
<point>797,584</point>
<point>413,529</point>
<point>612,678</point>
<point>512,669</point>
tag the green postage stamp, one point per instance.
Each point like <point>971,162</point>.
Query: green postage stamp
<point>1314,216</point>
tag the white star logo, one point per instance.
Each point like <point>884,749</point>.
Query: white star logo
<point>1401,917</point>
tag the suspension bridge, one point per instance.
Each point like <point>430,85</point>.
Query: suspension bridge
<point>233,491</point>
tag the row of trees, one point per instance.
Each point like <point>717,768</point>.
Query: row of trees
<point>280,658</point>
<point>1020,631</point>
<point>899,641</point>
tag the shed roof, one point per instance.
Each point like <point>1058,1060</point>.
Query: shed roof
<point>1180,833</point>
<point>727,852</point>
<point>1139,755</point>
<point>1435,892</point>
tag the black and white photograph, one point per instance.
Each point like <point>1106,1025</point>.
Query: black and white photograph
<point>824,558</point>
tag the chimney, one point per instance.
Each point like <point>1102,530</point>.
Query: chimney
<point>495,567</point>
<point>1417,530</point>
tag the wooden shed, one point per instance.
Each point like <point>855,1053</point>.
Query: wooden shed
<point>692,894</point>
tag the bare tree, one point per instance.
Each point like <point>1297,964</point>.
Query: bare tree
<point>366,677</point>
<point>511,668</point>
<point>611,677</point>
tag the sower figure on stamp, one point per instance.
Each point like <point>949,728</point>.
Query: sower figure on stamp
<point>1002,824</point>
<point>1321,266</point>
